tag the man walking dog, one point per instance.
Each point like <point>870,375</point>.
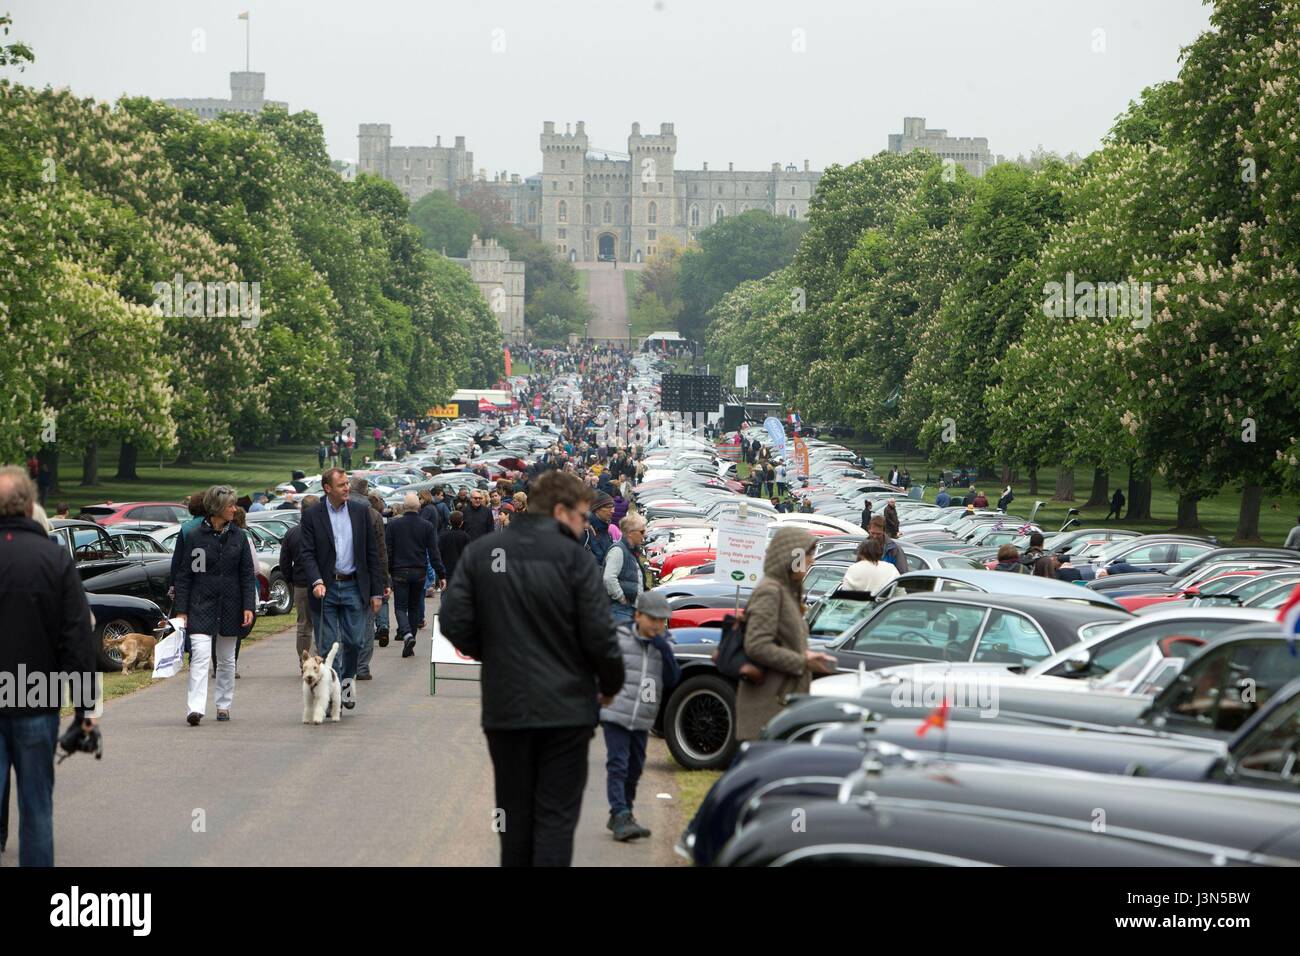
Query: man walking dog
<point>341,556</point>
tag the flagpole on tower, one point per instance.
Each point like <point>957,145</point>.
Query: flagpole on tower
<point>248,58</point>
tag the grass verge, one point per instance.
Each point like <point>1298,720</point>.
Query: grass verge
<point>692,787</point>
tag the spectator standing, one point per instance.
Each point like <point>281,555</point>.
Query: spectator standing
<point>453,542</point>
<point>376,620</point>
<point>624,573</point>
<point>412,545</point>
<point>776,634</point>
<point>48,630</point>
<point>599,540</point>
<point>529,605</point>
<point>650,673</point>
<point>291,567</point>
<point>216,597</point>
<point>341,556</point>
<point>1293,539</point>
<point>478,516</point>
<point>893,553</point>
<point>1116,505</point>
<point>871,572</point>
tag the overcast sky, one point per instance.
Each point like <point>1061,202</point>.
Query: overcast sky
<point>745,81</point>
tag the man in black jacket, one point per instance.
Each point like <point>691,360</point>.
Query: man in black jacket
<point>529,604</point>
<point>292,568</point>
<point>47,631</point>
<point>478,516</point>
<point>412,546</point>
<point>341,557</point>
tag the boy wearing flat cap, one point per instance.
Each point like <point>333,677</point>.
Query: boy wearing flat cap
<point>650,673</point>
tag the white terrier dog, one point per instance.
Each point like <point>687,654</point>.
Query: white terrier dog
<point>321,689</point>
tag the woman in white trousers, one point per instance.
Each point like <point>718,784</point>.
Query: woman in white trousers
<point>216,593</point>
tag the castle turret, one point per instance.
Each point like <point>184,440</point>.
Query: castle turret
<point>373,143</point>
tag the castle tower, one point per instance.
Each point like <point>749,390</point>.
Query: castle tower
<point>373,142</point>
<point>564,157</point>
<point>653,201</point>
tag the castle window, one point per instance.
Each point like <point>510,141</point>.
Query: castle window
<point>653,213</point>
<point>718,214</point>
<point>570,185</point>
<point>586,213</point>
<point>719,189</point>
<point>747,189</point>
<point>562,233</point>
<point>555,186</point>
<point>661,187</point>
<point>652,235</point>
<point>532,212</point>
<point>642,187</point>
<point>695,215</point>
<point>430,180</point>
<point>791,190</point>
<point>408,181</point>
<point>406,162</point>
<point>563,211</point>
<point>627,213</point>
<point>792,212</point>
<point>561,164</point>
<point>608,211</point>
<point>695,189</point>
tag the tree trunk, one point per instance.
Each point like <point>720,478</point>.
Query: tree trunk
<point>50,456</point>
<point>126,461</point>
<point>1187,516</point>
<point>1064,483</point>
<point>1100,489</point>
<point>1139,498</point>
<point>1006,474</point>
<point>1033,481</point>
<point>90,465</point>
<point>1252,496</point>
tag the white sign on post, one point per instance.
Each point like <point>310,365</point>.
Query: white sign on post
<point>742,543</point>
<point>455,665</point>
<point>742,376</point>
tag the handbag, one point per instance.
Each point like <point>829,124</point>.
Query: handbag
<point>169,653</point>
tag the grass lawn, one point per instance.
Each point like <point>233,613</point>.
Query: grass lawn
<point>248,472</point>
<point>692,787</point>
<point>1218,514</point>
<point>119,685</point>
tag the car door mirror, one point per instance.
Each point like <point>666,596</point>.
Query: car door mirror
<point>1078,663</point>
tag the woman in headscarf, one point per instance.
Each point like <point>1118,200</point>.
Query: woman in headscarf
<point>776,634</point>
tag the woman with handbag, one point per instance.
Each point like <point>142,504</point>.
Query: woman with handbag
<point>776,634</point>
<point>216,594</point>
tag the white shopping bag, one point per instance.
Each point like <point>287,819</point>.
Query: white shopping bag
<point>170,652</point>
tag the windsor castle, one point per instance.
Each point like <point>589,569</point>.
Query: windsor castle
<point>591,204</point>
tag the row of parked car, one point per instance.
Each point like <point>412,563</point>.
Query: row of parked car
<point>1146,714</point>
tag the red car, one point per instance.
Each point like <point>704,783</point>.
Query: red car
<point>700,617</point>
<point>108,513</point>
<point>686,558</point>
<point>1224,581</point>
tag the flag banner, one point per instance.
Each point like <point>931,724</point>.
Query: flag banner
<point>774,430</point>
<point>1288,616</point>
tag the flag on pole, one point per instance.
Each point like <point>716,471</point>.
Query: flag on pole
<point>1289,616</point>
<point>937,718</point>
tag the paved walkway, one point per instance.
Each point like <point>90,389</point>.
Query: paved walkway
<point>608,297</point>
<point>404,779</point>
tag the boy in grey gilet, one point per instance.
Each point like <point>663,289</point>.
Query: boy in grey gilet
<point>650,673</point>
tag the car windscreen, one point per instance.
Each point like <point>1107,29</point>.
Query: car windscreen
<point>835,615</point>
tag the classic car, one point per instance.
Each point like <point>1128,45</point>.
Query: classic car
<point>1216,691</point>
<point>902,807</point>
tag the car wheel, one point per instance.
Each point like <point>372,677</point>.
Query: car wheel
<point>700,725</point>
<point>110,655</point>
<point>281,594</point>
